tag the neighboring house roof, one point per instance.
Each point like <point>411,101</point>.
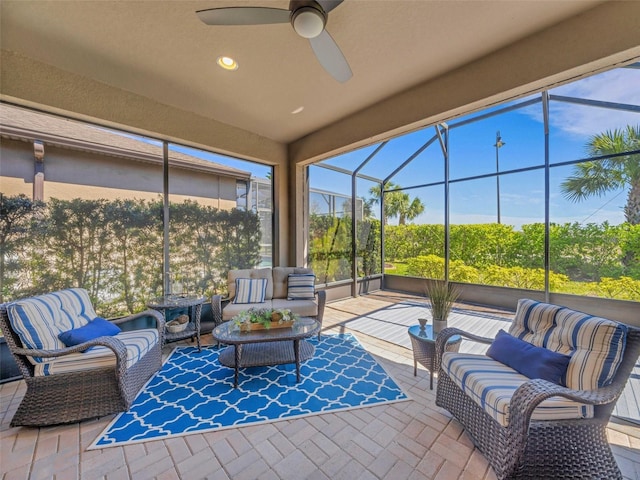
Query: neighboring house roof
<point>26,125</point>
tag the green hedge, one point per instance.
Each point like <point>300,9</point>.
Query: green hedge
<point>581,252</point>
<point>114,248</point>
<point>598,260</point>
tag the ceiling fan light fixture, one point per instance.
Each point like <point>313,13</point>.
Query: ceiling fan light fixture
<point>227,63</point>
<point>308,22</point>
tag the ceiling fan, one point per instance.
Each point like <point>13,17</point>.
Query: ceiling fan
<point>307,17</point>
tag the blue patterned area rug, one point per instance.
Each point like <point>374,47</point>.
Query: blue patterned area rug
<point>193,393</point>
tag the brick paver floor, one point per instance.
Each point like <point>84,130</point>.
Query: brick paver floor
<point>406,440</point>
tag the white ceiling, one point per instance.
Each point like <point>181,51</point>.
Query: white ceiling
<point>161,50</point>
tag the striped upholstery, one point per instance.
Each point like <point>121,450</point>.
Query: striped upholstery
<point>301,286</point>
<point>39,320</point>
<point>250,290</point>
<point>533,321</point>
<point>138,343</point>
<point>491,385</point>
<point>596,345</point>
<point>250,273</point>
<point>281,279</point>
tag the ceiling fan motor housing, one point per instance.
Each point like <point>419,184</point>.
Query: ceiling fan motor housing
<point>307,18</point>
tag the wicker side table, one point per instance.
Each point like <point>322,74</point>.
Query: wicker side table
<point>192,303</point>
<point>423,342</point>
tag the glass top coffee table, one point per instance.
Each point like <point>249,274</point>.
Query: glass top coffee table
<point>259,348</point>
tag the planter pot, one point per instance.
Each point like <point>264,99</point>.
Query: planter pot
<point>248,327</point>
<point>439,325</point>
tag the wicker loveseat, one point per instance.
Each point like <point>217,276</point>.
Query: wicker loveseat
<point>537,428</point>
<point>93,378</point>
<point>278,293</point>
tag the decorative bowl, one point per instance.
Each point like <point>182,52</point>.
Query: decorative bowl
<point>174,326</point>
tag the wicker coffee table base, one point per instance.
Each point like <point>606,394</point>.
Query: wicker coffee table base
<point>266,354</point>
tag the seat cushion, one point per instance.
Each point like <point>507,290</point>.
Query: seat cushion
<point>39,320</point>
<point>250,273</point>
<point>137,342</point>
<point>232,309</point>
<point>304,308</point>
<point>596,345</point>
<point>491,385</point>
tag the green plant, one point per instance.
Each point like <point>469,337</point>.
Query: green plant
<point>264,316</point>
<point>442,296</point>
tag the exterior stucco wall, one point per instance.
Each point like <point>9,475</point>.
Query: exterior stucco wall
<point>16,167</point>
<point>78,174</point>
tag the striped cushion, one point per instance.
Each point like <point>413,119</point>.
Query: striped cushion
<point>138,343</point>
<point>301,286</point>
<point>596,345</point>
<point>39,320</point>
<point>250,290</point>
<point>250,273</point>
<point>533,321</point>
<point>491,385</point>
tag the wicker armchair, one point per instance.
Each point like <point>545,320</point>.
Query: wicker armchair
<point>72,396</point>
<point>543,449</point>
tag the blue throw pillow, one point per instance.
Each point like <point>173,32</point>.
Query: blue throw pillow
<point>98,327</point>
<point>529,360</point>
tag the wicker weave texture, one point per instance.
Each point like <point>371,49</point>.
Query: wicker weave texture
<point>265,354</point>
<point>74,396</point>
<point>561,449</point>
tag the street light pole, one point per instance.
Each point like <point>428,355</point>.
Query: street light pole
<point>498,145</point>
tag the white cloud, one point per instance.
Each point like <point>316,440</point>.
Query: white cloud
<point>620,85</point>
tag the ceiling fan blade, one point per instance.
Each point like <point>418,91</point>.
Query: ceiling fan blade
<point>328,5</point>
<point>243,16</point>
<point>330,57</point>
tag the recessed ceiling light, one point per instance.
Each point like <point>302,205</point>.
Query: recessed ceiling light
<point>227,63</point>
<point>297,110</point>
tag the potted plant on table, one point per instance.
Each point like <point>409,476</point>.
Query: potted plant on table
<point>442,296</point>
<point>264,318</point>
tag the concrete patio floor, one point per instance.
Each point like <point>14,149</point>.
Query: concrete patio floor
<point>407,440</point>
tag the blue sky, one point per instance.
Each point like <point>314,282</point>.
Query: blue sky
<point>472,152</point>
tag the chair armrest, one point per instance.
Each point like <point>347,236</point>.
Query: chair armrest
<point>322,300</point>
<point>530,394</point>
<point>447,333</point>
<point>159,318</point>
<point>110,342</point>
<point>216,307</point>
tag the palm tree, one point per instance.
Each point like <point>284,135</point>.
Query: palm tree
<point>410,211</point>
<point>598,177</point>
<point>397,204</point>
